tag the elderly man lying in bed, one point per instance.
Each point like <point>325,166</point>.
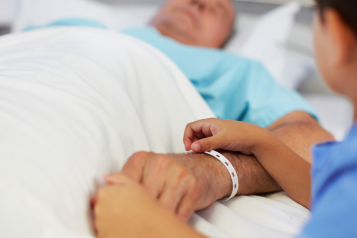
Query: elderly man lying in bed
<point>190,32</point>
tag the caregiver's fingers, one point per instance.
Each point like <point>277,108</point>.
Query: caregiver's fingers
<point>207,144</point>
<point>194,130</point>
<point>200,129</point>
<point>135,165</point>
<point>190,136</point>
<point>94,201</point>
<point>188,143</point>
<point>119,179</point>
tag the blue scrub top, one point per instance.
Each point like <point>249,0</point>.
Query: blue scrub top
<point>235,88</point>
<point>334,190</point>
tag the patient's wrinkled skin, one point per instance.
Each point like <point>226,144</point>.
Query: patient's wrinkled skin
<point>206,23</point>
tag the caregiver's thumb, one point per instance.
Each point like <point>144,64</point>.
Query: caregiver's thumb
<point>207,144</point>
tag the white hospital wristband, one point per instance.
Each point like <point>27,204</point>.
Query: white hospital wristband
<point>231,170</point>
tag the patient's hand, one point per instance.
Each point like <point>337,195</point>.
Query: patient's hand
<point>128,210</point>
<point>181,183</point>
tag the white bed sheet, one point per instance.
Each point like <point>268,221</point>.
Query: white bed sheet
<point>75,103</point>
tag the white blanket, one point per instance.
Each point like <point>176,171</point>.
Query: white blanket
<point>75,103</point>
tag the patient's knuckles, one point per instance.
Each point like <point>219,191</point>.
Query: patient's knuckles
<point>141,154</point>
<point>182,172</point>
<point>161,164</point>
<point>138,158</point>
<point>163,160</point>
<point>181,175</point>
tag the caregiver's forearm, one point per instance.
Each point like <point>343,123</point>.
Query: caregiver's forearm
<point>299,131</point>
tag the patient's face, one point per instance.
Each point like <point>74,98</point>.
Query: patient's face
<point>205,23</point>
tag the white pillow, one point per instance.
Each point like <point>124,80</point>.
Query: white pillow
<point>265,41</point>
<point>7,11</point>
<point>43,12</point>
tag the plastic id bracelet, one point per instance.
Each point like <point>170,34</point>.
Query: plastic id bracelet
<point>231,170</point>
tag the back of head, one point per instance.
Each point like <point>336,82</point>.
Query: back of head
<point>346,8</point>
<point>336,45</point>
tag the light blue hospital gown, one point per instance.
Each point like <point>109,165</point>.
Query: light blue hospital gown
<point>235,88</point>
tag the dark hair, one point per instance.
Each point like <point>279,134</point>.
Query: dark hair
<point>346,8</point>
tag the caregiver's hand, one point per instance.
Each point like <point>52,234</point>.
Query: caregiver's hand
<point>211,134</point>
<point>128,210</point>
<point>181,183</point>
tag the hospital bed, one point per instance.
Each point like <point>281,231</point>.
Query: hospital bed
<point>46,213</point>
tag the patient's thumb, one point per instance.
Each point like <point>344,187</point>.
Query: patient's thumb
<point>206,144</point>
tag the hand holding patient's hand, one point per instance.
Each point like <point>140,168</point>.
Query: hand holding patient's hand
<point>211,134</point>
<point>116,205</point>
<point>127,210</point>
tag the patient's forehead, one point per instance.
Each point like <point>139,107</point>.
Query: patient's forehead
<point>225,4</point>
<point>229,3</point>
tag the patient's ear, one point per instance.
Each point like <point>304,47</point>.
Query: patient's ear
<point>342,40</point>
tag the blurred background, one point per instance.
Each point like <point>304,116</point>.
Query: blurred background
<point>299,67</point>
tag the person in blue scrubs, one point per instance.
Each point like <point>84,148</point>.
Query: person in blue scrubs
<point>333,196</point>
<point>334,173</point>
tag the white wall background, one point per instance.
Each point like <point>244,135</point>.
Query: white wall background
<point>303,2</point>
<point>7,11</point>
<point>8,7</point>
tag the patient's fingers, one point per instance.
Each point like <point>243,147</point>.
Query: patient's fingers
<point>181,189</point>
<point>172,194</point>
<point>188,204</point>
<point>154,176</point>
